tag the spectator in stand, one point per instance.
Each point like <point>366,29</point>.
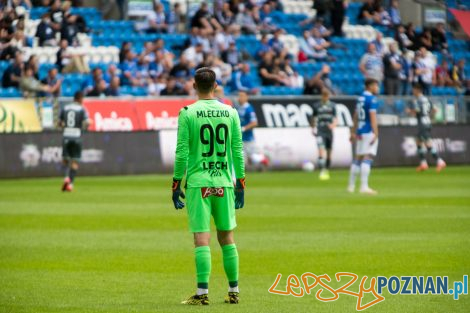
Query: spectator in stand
<point>19,40</point>
<point>395,16</point>
<point>163,55</point>
<point>306,50</point>
<point>33,64</point>
<point>264,46</point>
<point>203,19</point>
<point>324,32</point>
<point>99,91</point>
<point>323,8</point>
<point>319,46</point>
<point>176,20</point>
<point>292,79</point>
<point>172,88</point>
<point>276,5</point>
<point>194,55</point>
<point>276,44</point>
<point>125,47</point>
<point>379,44</point>
<point>223,71</point>
<point>57,16</point>
<point>392,68</point>
<point>405,77</point>
<point>411,34</point>
<point>129,70</point>
<point>320,80</point>
<point>337,16</point>
<point>93,79</point>
<point>458,74</point>
<point>425,39</point>
<point>224,16</point>
<point>181,69</point>
<point>45,32</point>
<point>156,20</point>
<point>404,43</point>
<point>423,70</point>
<point>30,85</point>
<point>371,65</point>
<point>143,71</point>
<point>246,19</point>
<point>70,63</point>
<point>243,81</point>
<point>367,14</point>
<point>439,40</point>
<point>148,53</point>
<point>157,85</point>
<point>114,87</point>
<point>54,82</point>
<point>231,55</point>
<point>12,75</point>
<point>269,76</point>
<point>442,75</point>
<point>266,21</point>
<point>383,17</point>
<point>70,27</point>
<point>221,41</point>
<point>111,72</point>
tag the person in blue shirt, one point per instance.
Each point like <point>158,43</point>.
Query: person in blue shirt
<point>248,122</point>
<point>242,80</point>
<point>365,134</point>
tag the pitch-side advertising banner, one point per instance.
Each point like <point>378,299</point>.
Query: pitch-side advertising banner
<point>135,114</point>
<point>296,112</point>
<point>159,114</point>
<point>105,153</point>
<point>18,116</point>
<point>286,148</point>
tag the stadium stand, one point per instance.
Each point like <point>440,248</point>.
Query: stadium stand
<point>101,41</point>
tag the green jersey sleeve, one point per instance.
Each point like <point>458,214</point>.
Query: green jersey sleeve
<point>237,148</point>
<point>182,145</point>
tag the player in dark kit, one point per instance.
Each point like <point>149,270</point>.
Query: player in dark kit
<point>73,119</point>
<point>323,122</point>
<point>424,111</point>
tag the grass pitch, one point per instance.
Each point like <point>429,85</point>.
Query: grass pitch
<point>117,245</point>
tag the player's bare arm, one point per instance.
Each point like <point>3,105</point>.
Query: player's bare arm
<point>354,127</point>
<point>374,124</point>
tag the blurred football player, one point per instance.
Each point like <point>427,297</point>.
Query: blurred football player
<point>365,133</point>
<point>248,122</point>
<point>323,123</point>
<point>73,119</point>
<point>424,112</point>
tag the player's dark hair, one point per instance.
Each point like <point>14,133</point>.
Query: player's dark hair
<point>78,96</point>
<point>418,86</point>
<point>205,80</point>
<point>370,81</point>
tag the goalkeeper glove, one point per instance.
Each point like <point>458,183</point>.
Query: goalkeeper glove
<point>177,193</point>
<point>240,193</point>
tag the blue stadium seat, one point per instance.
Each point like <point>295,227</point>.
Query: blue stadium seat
<point>10,92</point>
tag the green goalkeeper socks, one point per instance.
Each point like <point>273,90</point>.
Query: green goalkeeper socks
<point>203,266</point>
<point>230,255</point>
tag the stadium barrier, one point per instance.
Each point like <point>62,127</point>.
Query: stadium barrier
<point>104,153</point>
<point>113,153</point>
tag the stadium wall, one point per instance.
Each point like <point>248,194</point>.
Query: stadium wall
<point>147,152</point>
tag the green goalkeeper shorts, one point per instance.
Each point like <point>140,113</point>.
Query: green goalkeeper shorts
<point>207,201</point>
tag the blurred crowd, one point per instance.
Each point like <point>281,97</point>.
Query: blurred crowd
<point>213,30</point>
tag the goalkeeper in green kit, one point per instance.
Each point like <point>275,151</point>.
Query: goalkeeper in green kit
<point>209,146</point>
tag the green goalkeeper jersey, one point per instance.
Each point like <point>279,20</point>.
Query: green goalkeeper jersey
<point>209,145</point>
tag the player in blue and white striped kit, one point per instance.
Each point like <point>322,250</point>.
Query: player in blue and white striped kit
<point>365,133</point>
